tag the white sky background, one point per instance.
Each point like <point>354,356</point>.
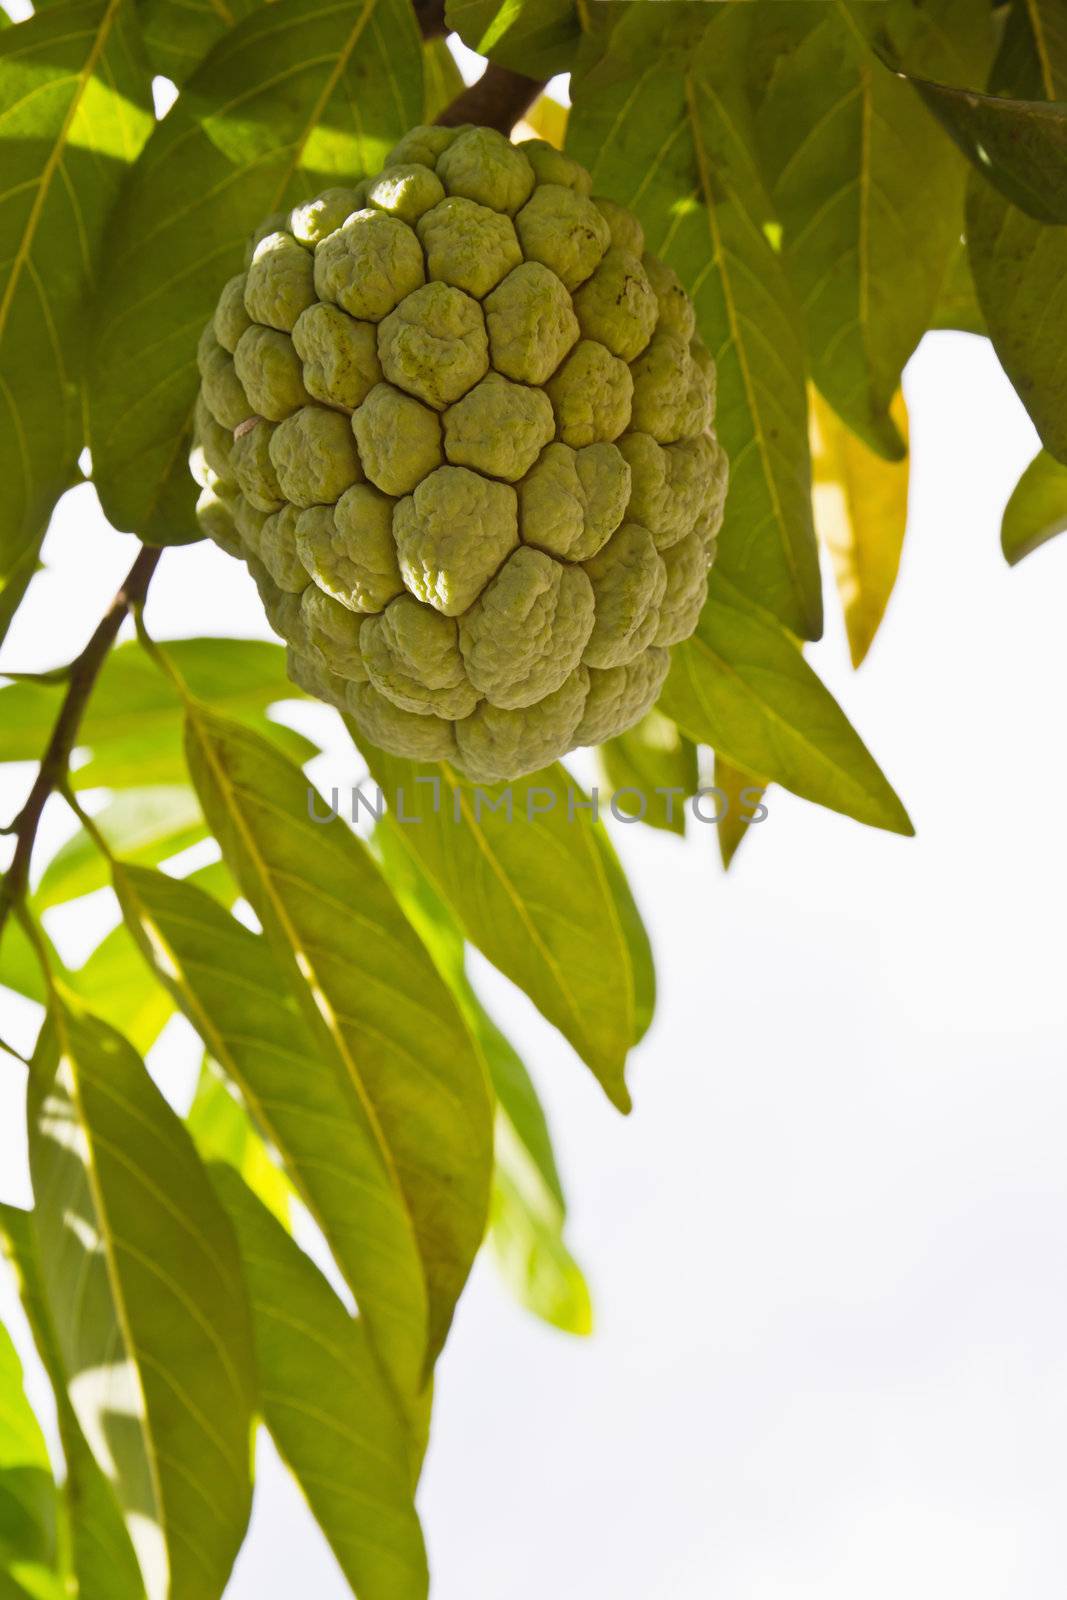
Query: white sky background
<point>828,1249</point>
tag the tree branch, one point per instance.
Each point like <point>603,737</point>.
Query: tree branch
<point>498,99</point>
<point>81,677</point>
<point>430,15</point>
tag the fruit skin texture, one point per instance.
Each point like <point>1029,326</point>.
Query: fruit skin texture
<point>459,427</point>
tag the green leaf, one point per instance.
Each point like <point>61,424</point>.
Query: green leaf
<point>536,37</point>
<point>1019,146</point>
<point>223,1131</point>
<point>648,757</point>
<point>662,122</point>
<point>742,686</point>
<point>178,35</point>
<point>381,1013</point>
<point>16,573</point>
<point>143,1280</point>
<point>1037,510</point>
<point>28,1498</point>
<point>74,98</point>
<point>234,993</point>
<point>866,243</point>
<point>133,725</point>
<point>145,825</point>
<point>742,792</point>
<point>539,891</point>
<point>102,1557</point>
<point>529,1249</point>
<point>1019,265</point>
<point>327,1408</point>
<point>117,986</point>
<point>299,96</point>
<point>441,78</point>
<point>957,307</point>
<point>861,512</point>
<point>517,1100</point>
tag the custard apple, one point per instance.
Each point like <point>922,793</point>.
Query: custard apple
<point>459,427</point>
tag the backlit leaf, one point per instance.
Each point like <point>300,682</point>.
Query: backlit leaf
<point>74,98</point>
<point>231,989</point>
<point>1037,510</point>
<point>529,1248</point>
<point>222,1131</point>
<point>178,34</point>
<point>143,1281</point>
<point>662,123</point>
<point>866,244</point>
<point>739,807</point>
<point>133,725</point>
<point>382,1015</point>
<point>28,1500</point>
<point>649,758</point>
<point>1019,265</point>
<point>742,686</point>
<point>535,884</point>
<point>299,96</point>
<point>327,1408</point>
<point>537,37</point>
<point>145,825</point>
<point>102,1557</point>
<point>861,511</point>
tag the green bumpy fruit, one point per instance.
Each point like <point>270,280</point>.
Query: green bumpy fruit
<point>457,424</point>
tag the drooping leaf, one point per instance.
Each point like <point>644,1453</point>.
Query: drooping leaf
<point>301,95</point>
<point>143,1282</point>
<point>537,37</point>
<point>222,1131</point>
<point>327,1408</point>
<point>861,511</point>
<point>1019,146</point>
<point>437,927</point>
<point>114,982</point>
<point>234,993</point>
<point>526,1233</point>
<point>535,884</point>
<point>133,725</point>
<point>28,1500</point>
<point>74,99</point>
<point>743,793</point>
<point>866,244</point>
<point>373,997</point>
<point>742,686</point>
<point>662,121</point>
<point>1019,265</point>
<point>527,1212</point>
<point>1037,510</point>
<point>145,825</point>
<point>642,763</point>
<point>102,1558</point>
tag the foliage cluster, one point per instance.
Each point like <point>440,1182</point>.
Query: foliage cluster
<point>829,181</point>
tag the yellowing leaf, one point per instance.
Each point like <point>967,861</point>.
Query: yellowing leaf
<point>547,120</point>
<point>740,810</point>
<point>861,509</point>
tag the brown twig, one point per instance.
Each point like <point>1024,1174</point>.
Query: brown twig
<point>81,676</point>
<point>498,99</point>
<point>430,15</point>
